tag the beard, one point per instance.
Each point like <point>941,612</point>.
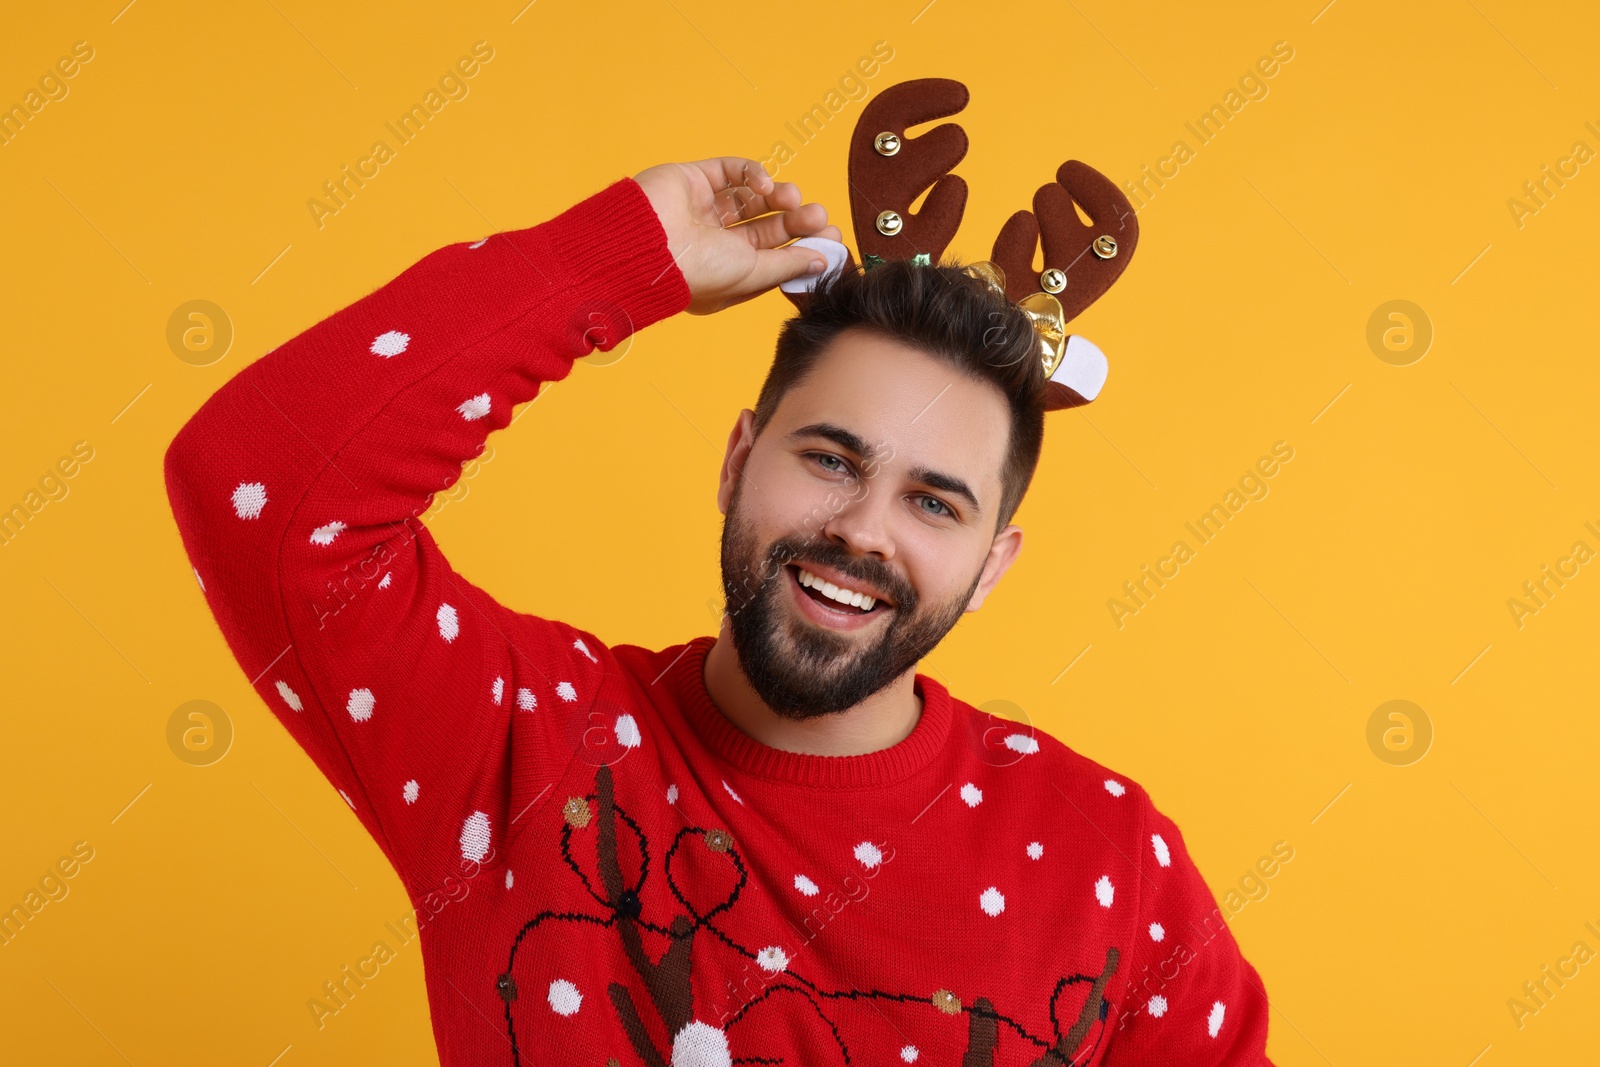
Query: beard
<point>800,670</point>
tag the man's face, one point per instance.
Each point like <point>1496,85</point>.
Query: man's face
<point>879,474</point>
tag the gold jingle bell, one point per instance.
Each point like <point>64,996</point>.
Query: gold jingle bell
<point>1105,246</point>
<point>887,143</point>
<point>1049,326</point>
<point>1053,280</point>
<point>889,223</point>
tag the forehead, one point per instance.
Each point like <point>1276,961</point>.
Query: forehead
<point>914,407</point>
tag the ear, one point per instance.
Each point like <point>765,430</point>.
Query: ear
<point>1007,545</point>
<point>740,439</point>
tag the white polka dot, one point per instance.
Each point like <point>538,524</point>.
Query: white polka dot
<point>772,959</point>
<point>1214,1020</point>
<point>564,997</point>
<point>672,793</point>
<point>360,704</point>
<point>479,244</point>
<point>581,647</point>
<point>509,879</point>
<point>627,731</point>
<point>992,901</point>
<point>1163,854</point>
<point>1022,743</point>
<point>475,836</point>
<point>972,795</point>
<point>1104,891</point>
<point>386,579</point>
<point>526,700</point>
<point>199,579</point>
<point>499,689</point>
<point>290,697</point>
<point>449,625</point>
<point>1157,931</point>
<point>909,1054</point>
<point>869,854</point>
<point>249,499</point>
<point>474,408</point>
<point>700,1044</point>
<point>324,535</point>
<point>731,793</point>
<point>1115,788</point>
<point>390,344</point>
<point>805,885</point>
<point>411,790</point>
<point>1035,850</point>
<point>565,691</point>
<point>347,799</point>
<point>1157,1006</point>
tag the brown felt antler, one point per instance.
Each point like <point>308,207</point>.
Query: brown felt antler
<point>888,171</point>
<point>1089,257</point>
<point>1081,261</point>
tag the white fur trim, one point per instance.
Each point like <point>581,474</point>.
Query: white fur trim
<point>1083,368</point>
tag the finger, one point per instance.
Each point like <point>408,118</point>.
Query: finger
<point>739,204</point>
<point>774,230</point>
<point>725,172</point>
<point>774,265</point>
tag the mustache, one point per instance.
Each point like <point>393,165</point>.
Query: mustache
<point>787,550</point>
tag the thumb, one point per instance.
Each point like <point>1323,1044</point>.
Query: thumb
<point>775,265</point>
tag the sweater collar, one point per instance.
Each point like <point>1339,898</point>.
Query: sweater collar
<point>734,746</point>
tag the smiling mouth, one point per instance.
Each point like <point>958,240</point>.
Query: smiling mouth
<point>834,597</point>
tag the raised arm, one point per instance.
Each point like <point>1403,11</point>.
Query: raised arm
<point>439,714</point>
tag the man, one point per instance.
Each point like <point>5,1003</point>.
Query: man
<point>779,845</point>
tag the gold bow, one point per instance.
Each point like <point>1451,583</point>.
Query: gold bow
<point>1044,311</point>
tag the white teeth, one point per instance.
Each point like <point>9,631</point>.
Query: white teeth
<point>834,592</point>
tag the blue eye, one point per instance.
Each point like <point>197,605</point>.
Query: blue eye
<point>826,459</point>
<point>939,506</point>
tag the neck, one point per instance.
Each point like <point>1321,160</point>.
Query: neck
<point>882,720</point>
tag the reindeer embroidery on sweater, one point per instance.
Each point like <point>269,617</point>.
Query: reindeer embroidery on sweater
<point>667,980</point>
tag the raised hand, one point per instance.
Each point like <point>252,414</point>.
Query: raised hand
<point>727,223</point>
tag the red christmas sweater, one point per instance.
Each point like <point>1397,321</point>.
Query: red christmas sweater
<point>605,871</point>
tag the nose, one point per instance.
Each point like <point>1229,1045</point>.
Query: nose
<point>861,525</point>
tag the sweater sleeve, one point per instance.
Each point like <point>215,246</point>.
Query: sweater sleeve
<point>440,715</point>
<point>1190,997</point>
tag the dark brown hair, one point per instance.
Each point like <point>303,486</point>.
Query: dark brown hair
<point>941,311</point>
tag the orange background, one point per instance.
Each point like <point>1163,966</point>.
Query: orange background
<point>1379,165</point>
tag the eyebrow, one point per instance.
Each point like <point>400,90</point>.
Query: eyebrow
<point>853,443</point>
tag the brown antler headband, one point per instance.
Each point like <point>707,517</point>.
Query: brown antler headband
<point>888,171</point>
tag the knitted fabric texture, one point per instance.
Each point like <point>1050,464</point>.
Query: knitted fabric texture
<point>605,871</point>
